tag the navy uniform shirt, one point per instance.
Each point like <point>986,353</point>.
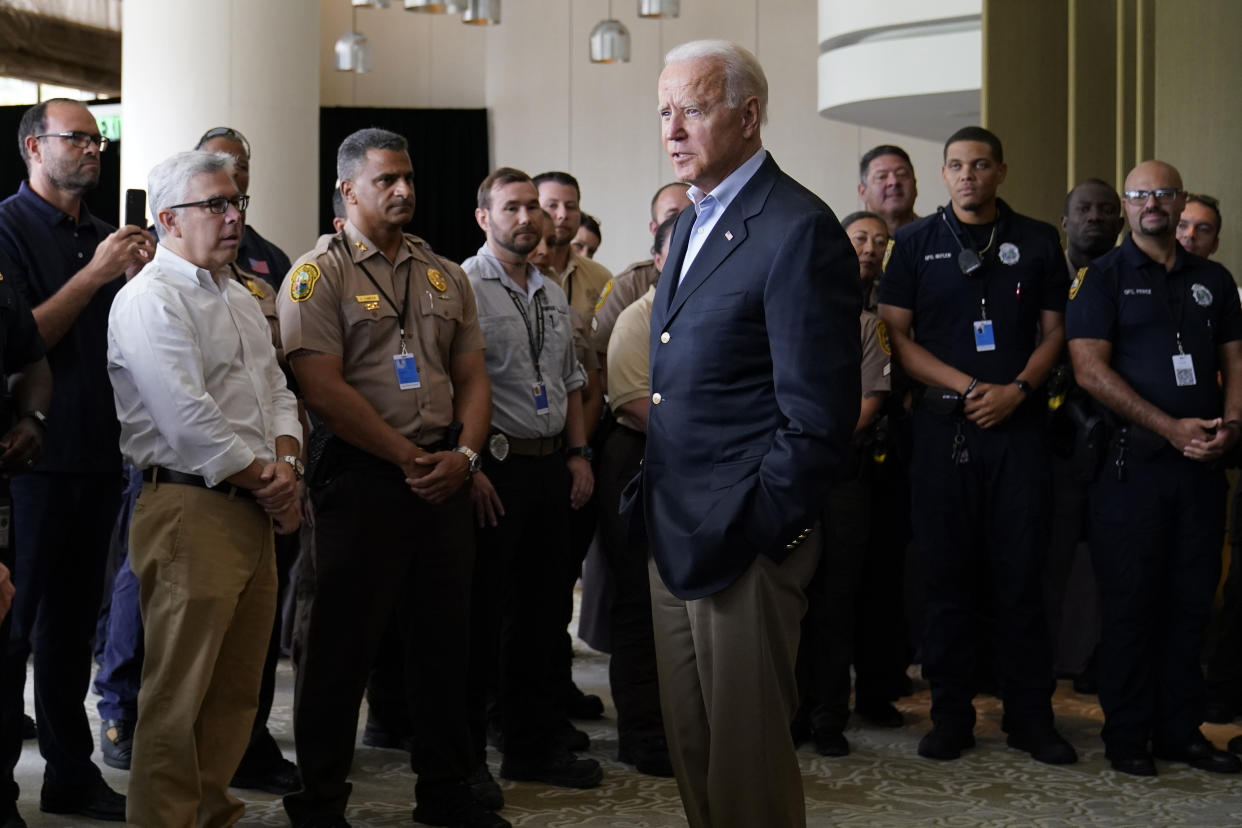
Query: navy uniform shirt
<point>259,256</point>
<point>46,247</point>
<point>20,343</point>
<point>1130,300</point>
<point>1023,273</point>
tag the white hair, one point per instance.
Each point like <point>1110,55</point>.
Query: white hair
<point>744,76</point>
<point>168,183</point>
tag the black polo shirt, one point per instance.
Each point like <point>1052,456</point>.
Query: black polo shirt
<point>46,247</point>
<point>1023,273</point>
<point>1130,300</point>
<point>20,343</point>
<point>262,258</point>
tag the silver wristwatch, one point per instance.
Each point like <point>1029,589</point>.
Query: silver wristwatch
<point>298,469</point>
<point>473,461</point>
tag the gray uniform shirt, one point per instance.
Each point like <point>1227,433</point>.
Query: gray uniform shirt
<point>508,350</point>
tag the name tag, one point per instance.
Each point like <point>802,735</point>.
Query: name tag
<point>407,371</point>
<point>985,337</point>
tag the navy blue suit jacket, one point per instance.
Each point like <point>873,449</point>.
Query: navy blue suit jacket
<point>758,383</point>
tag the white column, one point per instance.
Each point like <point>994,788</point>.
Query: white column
<point>253,65</point>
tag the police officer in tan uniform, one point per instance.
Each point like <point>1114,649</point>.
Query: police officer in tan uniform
<point>582,279</point>
<point>384,339</point>
<point>628,286</point>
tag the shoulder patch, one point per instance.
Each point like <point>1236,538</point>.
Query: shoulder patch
<point>1079,278</point>
<point>302,281</point>
<point>888,252</point>
<point>603,296</point>
<point>881,336</point>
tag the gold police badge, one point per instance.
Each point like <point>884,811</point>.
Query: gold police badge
<point>302,281</point>
<point>1077,283</point>
<point>255,290</point>
<point>437,280</point>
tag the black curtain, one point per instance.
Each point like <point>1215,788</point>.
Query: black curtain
<point>104,201</point>
<point>449,151</point>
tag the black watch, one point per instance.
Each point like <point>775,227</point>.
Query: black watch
<point>580,451</point>
<point>1023,386</point>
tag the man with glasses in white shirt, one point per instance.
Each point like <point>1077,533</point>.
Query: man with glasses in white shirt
<point>205,414</point>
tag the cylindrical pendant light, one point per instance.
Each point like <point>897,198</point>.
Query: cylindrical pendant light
<point>370,4</point>
<point>353,53</point>
<point>480,12</point>
<point>659,8</point>
<point>610,42</point>
<point>434,6</point>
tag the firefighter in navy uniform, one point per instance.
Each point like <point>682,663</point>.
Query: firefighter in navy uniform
<point>985,290</point>
<point>1151,327</point>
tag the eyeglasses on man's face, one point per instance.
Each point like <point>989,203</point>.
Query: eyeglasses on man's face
<point>218,204</point>
<point>81,140</point>
<point>1163,195</point>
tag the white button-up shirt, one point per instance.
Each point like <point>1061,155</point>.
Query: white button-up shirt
<point>194,373</point>
<point>709,207</point>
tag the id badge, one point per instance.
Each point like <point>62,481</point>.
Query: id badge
<point>541,398</point>
<point>985,337</point>
<point>1183,369</point>
<point>407,371</point>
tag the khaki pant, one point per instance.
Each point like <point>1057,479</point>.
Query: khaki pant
<point>728,693</point>
<point>207,574</point>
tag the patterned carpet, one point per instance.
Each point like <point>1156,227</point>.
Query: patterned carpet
<point>882,783</point>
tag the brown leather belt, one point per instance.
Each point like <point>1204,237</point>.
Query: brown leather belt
<point>158,474</point>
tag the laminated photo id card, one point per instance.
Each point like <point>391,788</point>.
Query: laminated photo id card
<point>1183,369</point>
<point>541,398</point>
<point>407,371</point>
<point>985,338</point>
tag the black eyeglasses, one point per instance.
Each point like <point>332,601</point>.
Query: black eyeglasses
<point>1165,194</point>
<point>81,140</point>
<point>218,205</point>
<point>225,132</point>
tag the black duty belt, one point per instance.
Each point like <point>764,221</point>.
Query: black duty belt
<point>158,474</point>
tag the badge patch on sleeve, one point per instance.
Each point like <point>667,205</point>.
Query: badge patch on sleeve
<point>881,335</point>
<point>603,296</point>
<point>888,252</point>
<point>302,282</point>
<point>1079,278</point>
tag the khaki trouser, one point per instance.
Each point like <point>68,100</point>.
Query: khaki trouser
<point>207,574</point>
<point>728,693</point>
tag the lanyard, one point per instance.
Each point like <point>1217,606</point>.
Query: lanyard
<point>405,305</point>
<point>533,337</point>
<point>1181,308</point>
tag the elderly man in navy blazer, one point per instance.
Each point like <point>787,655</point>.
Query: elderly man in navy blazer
<point>755,388</point>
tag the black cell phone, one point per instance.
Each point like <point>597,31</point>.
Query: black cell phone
<point>136,207</point>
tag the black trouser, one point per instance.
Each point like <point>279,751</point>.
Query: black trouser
<point>379,549</point>
<point>1070,596</point>
<point>518,584</point>
<point>63,525</point>
<point>827,647</point>
<point>1156,541</point>
<point>990,513</point>
<point>881,630</point>
<point>632,668</point>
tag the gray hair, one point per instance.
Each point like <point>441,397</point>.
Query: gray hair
<point>352,154</point>
<point>168,183</point>
<point>743,75</point>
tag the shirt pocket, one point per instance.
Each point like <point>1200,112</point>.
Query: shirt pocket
<point>370,324</point>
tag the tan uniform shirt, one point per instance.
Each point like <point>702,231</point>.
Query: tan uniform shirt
<point>624,290</point>
<point>876,354</point>
<point>265,295</point>
<point>329,305</point>
<point>629,352</point>
<point>583,282</point>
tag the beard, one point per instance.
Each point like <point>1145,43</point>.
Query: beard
<point>511,244</point>
<point>1163,228</point>
<point>72,177</point>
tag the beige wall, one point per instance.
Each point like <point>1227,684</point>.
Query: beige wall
<point>1198,123</point>
<point>551,108</point>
